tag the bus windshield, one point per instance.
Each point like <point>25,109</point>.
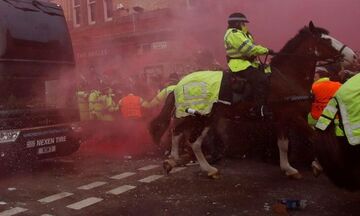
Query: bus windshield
<point>33,31</point>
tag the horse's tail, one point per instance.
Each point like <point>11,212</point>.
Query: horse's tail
<point>160,124</point>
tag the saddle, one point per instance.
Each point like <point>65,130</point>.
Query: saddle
<point>241,90</point>
<point>234,89</point>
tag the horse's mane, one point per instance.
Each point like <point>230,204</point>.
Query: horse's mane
<point>293,43</point>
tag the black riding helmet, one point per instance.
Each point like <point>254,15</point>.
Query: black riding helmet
<point>236,18</point>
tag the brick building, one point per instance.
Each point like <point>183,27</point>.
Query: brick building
<point>137,37</point>
<point>121,36</point>
<point>130,35</point>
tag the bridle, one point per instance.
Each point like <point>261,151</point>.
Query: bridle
<point>313,53</point>
<point>334,60</point>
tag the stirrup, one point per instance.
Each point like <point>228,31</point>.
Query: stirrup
<point>264,113</point>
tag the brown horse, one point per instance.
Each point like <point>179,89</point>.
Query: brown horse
<point>292,80</point>
<point>293,70</point>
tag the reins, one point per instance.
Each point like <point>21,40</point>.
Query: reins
<point>292,98</point>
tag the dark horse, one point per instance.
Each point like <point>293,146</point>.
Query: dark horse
<point>293,71</point>
<point>340,160</point>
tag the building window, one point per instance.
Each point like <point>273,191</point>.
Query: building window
<point>91,11</point>
<point>77,14</point>
<point>108,10</point>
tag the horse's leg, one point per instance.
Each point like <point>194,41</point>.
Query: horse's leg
<point>221,128</point>
<point>204,165</point>
<point>174,155</point>
<point>175,140</point>
<point>316,167</point>
<point>283,144</point>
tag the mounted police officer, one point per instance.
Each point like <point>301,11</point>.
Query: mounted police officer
<point>242,61</point>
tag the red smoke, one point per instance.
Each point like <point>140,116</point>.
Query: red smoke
<point>272,22</point>
<point>118,139</point>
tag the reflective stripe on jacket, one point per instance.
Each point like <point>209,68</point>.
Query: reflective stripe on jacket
<point>347,101</point>
<point>240,48</point>
<point>130,106</point>
<point>198,91</point>
<point>338,131</point>
<point>323,90</point>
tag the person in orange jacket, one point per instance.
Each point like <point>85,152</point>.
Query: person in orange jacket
<point>131,106</point>
<point>133,128</point>
<point>323,89</point>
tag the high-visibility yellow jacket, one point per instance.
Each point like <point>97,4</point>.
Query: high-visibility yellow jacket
<point>109,107</point>
<point>198,91</point>
<point>83,104</point>
<point>160,97</point>
<point>346,101</point>
<point>241,50</point>
<point>95,105</point>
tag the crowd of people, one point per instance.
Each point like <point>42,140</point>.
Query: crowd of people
<point>119,110</point>
<point>107,100</point>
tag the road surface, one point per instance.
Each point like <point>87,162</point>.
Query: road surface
<point>88,183</point>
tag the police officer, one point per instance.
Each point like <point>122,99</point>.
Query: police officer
<point>323,89</point>
<point>110,107</point>
<point>241,56</point>
<point>346,103</point>
<point>94,105</point>
<point>130,106</point>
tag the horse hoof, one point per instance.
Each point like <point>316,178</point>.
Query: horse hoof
<point>316,171</point>
<point>168,165</point>
<point>295,176</point>
<point>215,175</point>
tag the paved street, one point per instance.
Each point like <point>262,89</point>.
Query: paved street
<point>90,184</point>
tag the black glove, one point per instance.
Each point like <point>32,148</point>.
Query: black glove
<point>271,52</point>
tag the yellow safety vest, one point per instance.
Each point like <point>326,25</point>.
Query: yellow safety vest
<point>311,121</point>
<point>95,107</point>
<point>346,101</point>
<point>240,48</point>
<point>338,131</point>
<point>198,91</point>
<point>110,108</point>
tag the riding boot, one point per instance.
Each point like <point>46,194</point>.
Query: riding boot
<point>261,110</point>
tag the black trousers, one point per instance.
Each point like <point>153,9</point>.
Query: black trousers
<point>259,81</point>
<point>226,92</point>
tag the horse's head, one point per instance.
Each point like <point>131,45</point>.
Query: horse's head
<point>327,48</point>
<point>298,58</point>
